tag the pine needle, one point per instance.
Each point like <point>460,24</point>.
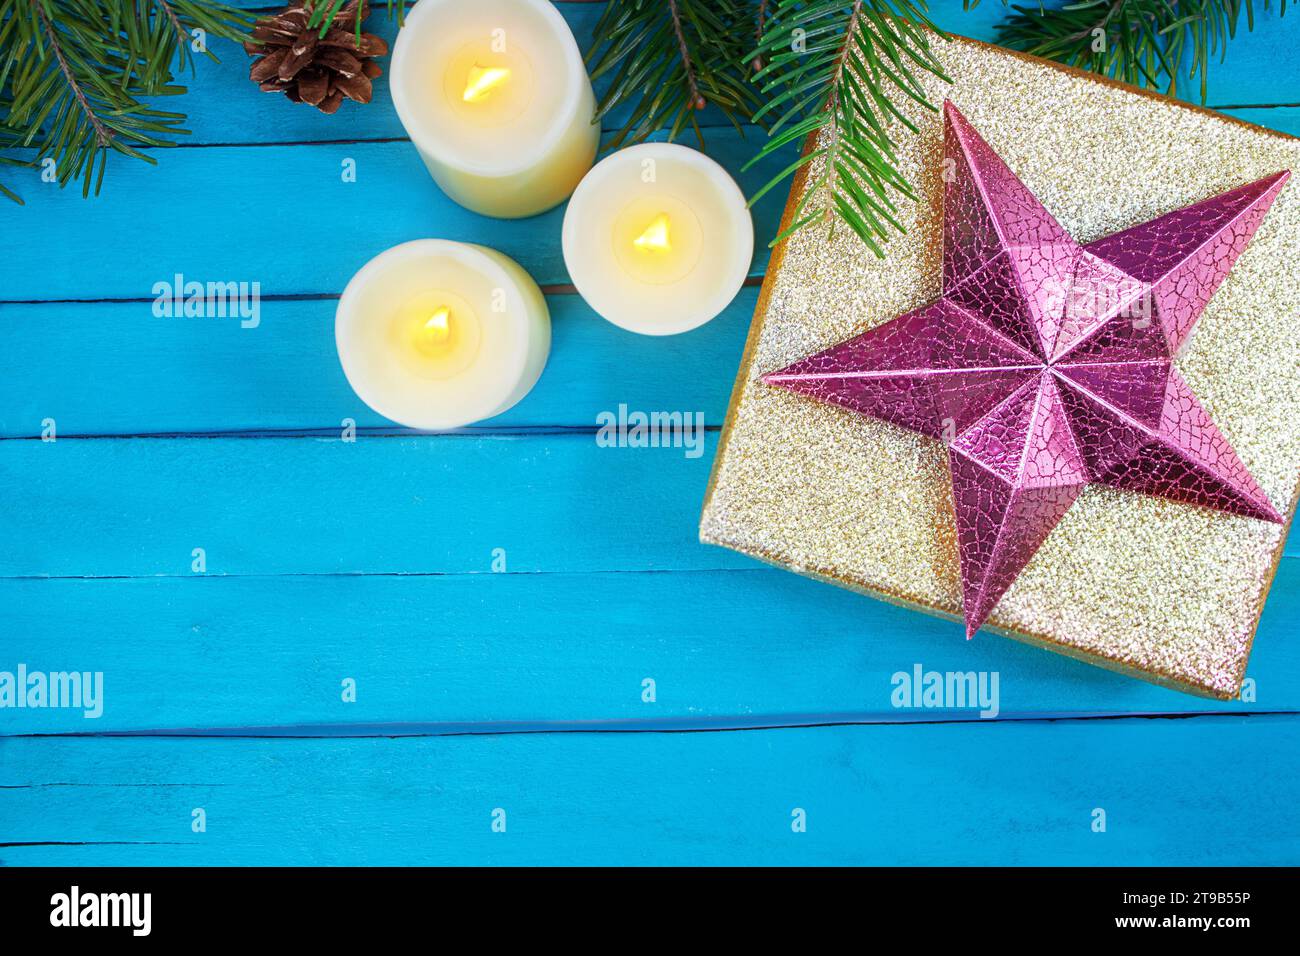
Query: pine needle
<point>1147,43</point>
<point>668,59</point>
<point>78,78</point>
<point>849,73</point>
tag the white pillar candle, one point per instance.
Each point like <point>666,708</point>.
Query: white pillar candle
<point>495,96</point>
<point>657,238</point>
<point>437,334</point>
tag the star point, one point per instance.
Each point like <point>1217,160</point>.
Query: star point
<point>1046,365</point>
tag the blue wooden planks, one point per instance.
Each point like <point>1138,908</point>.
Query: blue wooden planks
<point>122,371</point>
<point>120,507</point>
<point>1208,790</point>
<point>559,502</point>
<point>251,116</point>
<point>282,216</point>
<point>247,115</point>
<point>1284,119</point>
<point>373,561</point>
<point>490,652</point>
<point>224,226</point>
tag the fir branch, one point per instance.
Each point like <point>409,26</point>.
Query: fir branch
<point>102,136</point>
<point>78,78</point>
<point>324,13</point>
<point>667,60</point>
<point>182,47</point>
<point>760,24</point>
<point>696,100</point>
<point>836,69</point>
<point>1147,43</point>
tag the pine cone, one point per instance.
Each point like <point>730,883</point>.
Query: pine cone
<point>296,60</point>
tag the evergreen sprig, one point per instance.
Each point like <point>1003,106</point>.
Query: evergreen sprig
<point>80,78</point>
<point>1147,43</point>
<point>855,77</point>
<point>671,58</point>
<point>848,72</point>
<point>325,12</point>
<point>77,78</point>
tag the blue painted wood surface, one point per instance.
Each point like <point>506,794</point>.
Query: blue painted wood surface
<point>726,648</point>
<point>991,793</point>
<point>520,688</point>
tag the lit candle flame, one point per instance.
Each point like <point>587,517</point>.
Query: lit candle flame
<point>483,80</point>
<point>438,326</point>
<point>655,235</point>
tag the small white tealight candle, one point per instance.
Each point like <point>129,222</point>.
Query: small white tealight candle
<point>437,334</point>
<point>496,98</point>
<point>657,238</point>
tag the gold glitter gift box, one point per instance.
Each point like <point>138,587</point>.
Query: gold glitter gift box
<point>1162,590</point>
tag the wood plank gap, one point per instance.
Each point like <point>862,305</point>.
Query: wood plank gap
<point>92,843</point>
<point>761,569</point>
<point>554,288</point>
<point>1253,106</point>
<point>370,574</point>
<point>673,725</point>
<point>484,431</point>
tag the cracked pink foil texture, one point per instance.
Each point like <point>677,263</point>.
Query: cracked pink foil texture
<point>1046,365</point>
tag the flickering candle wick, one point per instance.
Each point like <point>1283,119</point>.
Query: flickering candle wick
<point>482,81</point>
<point>655,235</point>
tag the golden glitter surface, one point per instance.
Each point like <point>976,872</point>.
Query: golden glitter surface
<point>1165,591</point>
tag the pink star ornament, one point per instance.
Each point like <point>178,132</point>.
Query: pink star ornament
<point>1046,365</point>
